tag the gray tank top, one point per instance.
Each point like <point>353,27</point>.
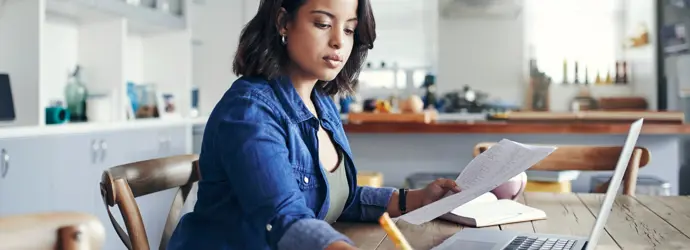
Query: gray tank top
<point>338,190</point>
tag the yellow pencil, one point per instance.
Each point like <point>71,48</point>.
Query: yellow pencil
<point>393,232</point>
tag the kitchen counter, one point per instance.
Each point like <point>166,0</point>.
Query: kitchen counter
<point>398,150</point>
<point>503,127</point>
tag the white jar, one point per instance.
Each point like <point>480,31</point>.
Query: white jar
<point>98,108</point>
<point>171,6</point>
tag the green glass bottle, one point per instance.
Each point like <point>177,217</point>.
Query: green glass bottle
<point>75,96</point>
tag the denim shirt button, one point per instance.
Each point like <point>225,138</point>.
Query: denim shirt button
<point>269,227</point>
<point>306,179</point>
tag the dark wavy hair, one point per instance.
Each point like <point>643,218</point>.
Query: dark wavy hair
<point>261,53</point>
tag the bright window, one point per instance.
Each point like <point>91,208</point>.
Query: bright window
<point>586,31</point>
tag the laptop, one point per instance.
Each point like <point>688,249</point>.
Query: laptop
<point>6,101</point>
<point>476,238</point>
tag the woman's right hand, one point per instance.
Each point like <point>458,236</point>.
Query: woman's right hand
<point>340,245</point>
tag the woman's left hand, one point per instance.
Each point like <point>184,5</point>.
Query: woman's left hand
<point>434,191</point>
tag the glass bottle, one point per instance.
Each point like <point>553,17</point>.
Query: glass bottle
<point>75,96</point>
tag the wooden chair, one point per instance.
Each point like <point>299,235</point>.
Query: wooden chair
<point>52,230</point>
<point>589,158</point>
<point>121,184</point>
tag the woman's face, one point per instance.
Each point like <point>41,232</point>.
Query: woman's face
<point>320,37</point>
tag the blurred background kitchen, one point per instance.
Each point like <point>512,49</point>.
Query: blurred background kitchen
<point>92,84</point>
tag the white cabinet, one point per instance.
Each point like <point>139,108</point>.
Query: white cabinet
<point>137,145</point>
<point>173,141</point>
<point>50,173</point>
<point>62,173</point>
<point>76,171</point>
<point>27,180</point>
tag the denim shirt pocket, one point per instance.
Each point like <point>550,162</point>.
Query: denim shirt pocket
<point>306,179</point>
<point>310,184</point>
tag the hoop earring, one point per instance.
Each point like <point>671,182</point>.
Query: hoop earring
<point>283,40</point>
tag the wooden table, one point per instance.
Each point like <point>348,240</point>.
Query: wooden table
<point>502,127</point>
<point>642,222</point>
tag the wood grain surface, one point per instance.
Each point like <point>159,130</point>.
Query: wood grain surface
<point>641,222</point>
<point>500,127</point>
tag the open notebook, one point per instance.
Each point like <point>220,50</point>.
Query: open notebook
<point>486,210</point>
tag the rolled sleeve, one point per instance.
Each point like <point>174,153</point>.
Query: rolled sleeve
<point>253,151</point>
<point>374,202</point>
<point>311,234</point>
<point>368,204</point>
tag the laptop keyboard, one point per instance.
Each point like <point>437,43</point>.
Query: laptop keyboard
<point>534,243</point>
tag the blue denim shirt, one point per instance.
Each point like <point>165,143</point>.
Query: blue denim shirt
<point>262,185</point>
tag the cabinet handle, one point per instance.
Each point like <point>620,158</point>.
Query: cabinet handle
<point>164,144</point>
<point>161,144</point>
<point>95,148</point>
<point>5,162</point>
<point>104,149</point>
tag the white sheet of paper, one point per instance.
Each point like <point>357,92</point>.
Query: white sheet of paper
<point>485,172</point>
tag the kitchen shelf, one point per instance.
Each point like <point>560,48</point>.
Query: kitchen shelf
<point>141,20</point>
<point>97,127</point>
<point>114,43</point>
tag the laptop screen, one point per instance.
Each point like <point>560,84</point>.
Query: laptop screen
<point>612,191</point>
<point>6,101</point>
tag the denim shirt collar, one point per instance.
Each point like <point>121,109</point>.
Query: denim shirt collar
<point>298,111</point>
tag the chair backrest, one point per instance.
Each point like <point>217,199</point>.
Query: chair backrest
<point>52,230</point>
<point>121,184</point>
<point>589,158</point>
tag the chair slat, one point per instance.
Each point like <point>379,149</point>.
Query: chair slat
<point>588,158</point>
<point>120,185</point>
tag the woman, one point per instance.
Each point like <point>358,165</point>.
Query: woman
<point>276,166</point>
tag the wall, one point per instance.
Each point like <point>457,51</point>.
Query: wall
<point>406,35</point>
<point>406,41</point>
<point>491,55</point>
<point>642,61</point>
<point>20,57</point>
<point>60,58</point>
<point>134,68</point>
<point>216,26</point>
<point>487,55</point>
<point>404,32</point>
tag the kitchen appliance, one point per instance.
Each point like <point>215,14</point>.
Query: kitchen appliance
<point>674,65</point>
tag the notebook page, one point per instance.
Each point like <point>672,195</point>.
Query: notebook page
<point>485,172</point>
<point>498,212</point>
<point>506,159</point>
